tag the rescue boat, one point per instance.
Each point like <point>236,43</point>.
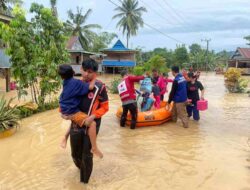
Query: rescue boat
<point>150,118</point>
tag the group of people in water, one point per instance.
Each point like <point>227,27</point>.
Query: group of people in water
<point>184,94</point>
<point>85,101</point>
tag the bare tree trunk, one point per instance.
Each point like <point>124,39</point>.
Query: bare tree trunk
<point>31,92</point>
<point>35,94</point>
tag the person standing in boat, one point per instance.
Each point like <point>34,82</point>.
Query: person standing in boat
<point>127,94</point>
<point>178,95</point>
<point>193,87</point>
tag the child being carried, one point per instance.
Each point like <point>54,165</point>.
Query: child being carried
<point>73,90</point>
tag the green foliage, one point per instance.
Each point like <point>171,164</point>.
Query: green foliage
<point>8,115</point>
<point>242,85</point>
<point>156,62</point>
<point>114,84</point>
<point>138,57</point>
<point>130,15</point>
<point>101,41</point>
<point>36,49</point>
<point>181,56</point>
<point>234,82</point>
<point>7,5</point>
<point>76,25</point>
<point>232,74</point>
<point>26,112</point>
<point>138,70</point>
<point>195,49</point>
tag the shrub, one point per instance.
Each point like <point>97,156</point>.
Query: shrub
<point>242,85</point>
<point>26,111</point>
<point>234,82</point>
<point>114,85</point>
<point>232,75</point>
<point>8,115</point>
<point>138,70</point>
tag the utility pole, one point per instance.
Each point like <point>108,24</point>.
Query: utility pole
<point>207,41</point>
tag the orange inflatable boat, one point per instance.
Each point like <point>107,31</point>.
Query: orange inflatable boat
<point>149,118</point>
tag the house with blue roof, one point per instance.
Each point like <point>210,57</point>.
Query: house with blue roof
<point>118,57</point>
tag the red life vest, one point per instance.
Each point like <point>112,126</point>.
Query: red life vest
<point>123,89</point>
<point>126,87</point>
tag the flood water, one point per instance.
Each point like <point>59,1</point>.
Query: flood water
<point>213,153</point>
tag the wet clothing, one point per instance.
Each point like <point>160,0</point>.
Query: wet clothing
<point>71,94</point>
<point>193,94</point>
<point>156,90</point>
<point>147,102</point>
<point>132,108</point>
<point>179,110</point>
<point>128,97</point>
<point>96,103</point>
<point>156,93</point>
<point>127,89</point>
<point>193,91</point>
<point>178,92</point>
<point>79,118</point>
<point>192,111</point>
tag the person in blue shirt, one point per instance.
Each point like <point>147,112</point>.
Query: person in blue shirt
<point>70,98</point>
<point>178,95</point>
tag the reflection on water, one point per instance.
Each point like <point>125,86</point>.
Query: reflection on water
<point>211,154</point>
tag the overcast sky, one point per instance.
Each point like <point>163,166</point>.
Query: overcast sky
<point>225,22</point>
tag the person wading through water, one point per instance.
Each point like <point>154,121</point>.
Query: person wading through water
<point>95,104</point>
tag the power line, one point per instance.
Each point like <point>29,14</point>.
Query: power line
<point>160,5</point>
<point>163,17</point>
<point>148,25</point>
<point>175,11</point>
<point>165,34</point>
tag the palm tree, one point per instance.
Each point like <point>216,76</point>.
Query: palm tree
<point>77,25</point>
<point>53,7</point>
<point>131,17</point>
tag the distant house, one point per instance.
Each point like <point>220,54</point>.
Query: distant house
<point>5,63</point>
<point>241,59</point>
<point>118,57</point>
<point>78,54</point>
<point>5,17</point>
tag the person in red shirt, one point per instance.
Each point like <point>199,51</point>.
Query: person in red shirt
<point>163,83</point>
<point>128,97</point>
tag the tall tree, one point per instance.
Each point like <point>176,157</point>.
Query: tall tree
<point>130,15</point>
<point>54,7</point>
<point>101,41</point>
<point>77,25</point>
<point>156,62</point>
<point>194,49</point>
<point>36,49</point>
<point>181,55</point>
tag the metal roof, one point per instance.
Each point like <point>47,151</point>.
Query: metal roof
<point>113,63</point>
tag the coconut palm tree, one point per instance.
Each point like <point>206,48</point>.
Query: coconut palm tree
<point>77,25</point>
<point>53,7</point>
<point>130,15</point>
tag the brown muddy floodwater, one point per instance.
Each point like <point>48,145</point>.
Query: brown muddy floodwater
<point>213,154</point>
